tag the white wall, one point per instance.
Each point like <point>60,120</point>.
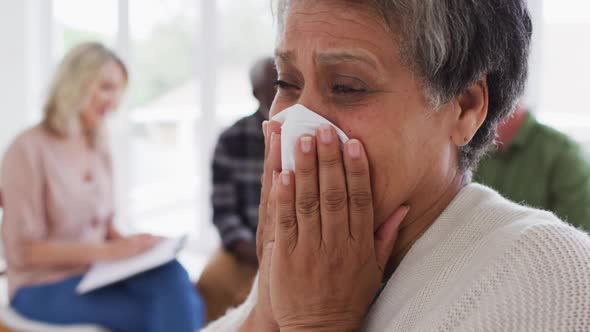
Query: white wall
<point>533,91</point>
<point>24,32</point>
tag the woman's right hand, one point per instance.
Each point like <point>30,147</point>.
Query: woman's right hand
<point>261,318</point>
<point>130,246</point>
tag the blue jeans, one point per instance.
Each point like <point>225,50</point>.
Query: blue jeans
<point>159,300</point>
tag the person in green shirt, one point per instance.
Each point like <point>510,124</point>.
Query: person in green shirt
<point>538,166</point>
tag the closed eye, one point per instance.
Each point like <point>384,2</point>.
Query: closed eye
<point>344,89</point>
<point>283,85</point>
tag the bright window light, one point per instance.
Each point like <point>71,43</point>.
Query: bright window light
<point>566,11</point>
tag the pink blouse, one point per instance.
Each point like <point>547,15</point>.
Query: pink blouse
<point>53,189</point>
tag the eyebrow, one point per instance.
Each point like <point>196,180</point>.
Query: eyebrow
<point>341,56</point>
<point>329,58</point>
<point>285,56</point>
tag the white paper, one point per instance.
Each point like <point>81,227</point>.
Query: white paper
<point>106,273</point>
<point>296,121</point>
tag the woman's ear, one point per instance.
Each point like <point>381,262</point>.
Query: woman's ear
<point>473,109</point>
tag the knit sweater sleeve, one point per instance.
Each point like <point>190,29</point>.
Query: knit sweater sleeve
<point>541,283</point>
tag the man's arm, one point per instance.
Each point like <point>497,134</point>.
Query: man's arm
<point>237,237</point>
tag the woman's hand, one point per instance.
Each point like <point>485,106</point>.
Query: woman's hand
<point>83,254</point>
<point>261,318</point>
<point>112,232</point>
<point>327,263</point>
<point>130,246</point>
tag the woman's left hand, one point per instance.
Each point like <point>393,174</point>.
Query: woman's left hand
<point>327,263</point>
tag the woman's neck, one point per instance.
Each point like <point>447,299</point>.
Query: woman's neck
<point>422,216</point>
<point>89,135</point>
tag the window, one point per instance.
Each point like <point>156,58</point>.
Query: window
<point>564,67</point>
<point>77,21</point>
<point>164,134</point>
<point>239,50</point>
<point>163,112</point>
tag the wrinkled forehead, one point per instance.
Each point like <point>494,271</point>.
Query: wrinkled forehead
<point>331,30</point>
<point>316,11</point>
<point>286,7</point>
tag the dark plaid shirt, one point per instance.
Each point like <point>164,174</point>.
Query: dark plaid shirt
<point>237,168</point>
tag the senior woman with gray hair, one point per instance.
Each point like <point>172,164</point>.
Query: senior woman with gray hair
<point>388,233</point>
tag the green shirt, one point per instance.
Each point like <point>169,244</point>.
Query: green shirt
<point>542,168</point>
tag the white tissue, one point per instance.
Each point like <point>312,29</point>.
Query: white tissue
<point>296,121</point>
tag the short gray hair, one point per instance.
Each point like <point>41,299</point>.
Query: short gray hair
<point>451,44</point>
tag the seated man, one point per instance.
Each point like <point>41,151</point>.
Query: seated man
<point>237,168</point>
<point>540,167</point>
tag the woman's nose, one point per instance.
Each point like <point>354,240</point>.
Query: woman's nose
<point>313,100</point>
<point>112,101</point>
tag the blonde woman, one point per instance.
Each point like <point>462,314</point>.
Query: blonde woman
<point>58,213</point>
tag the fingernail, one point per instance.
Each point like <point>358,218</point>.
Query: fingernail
<point>354,148</point>
<point>274,177</point>
<point>285,178</point>
<point>305,144</point>
<point>326,133</point>
<point>264,127</point>
<point>407,210</point>
<point>273,137</point>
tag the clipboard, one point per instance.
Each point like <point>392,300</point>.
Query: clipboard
<point>106,273</point>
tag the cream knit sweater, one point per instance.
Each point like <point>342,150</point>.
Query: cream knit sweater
<point>486,264</point>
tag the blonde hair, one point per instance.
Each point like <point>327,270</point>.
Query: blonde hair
<point>69,89</point>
